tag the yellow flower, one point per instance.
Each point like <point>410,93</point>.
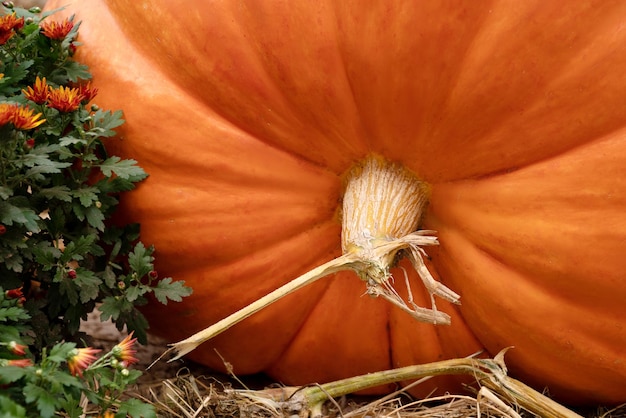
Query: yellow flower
<point>24,119</point>
<point>80,359</point>
<point>39,93</point>
<point>64,99</point>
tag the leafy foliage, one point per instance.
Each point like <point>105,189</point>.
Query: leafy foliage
<point>60,255</point>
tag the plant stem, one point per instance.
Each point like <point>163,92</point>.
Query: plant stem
<point>491,373</point>
<point>185,346</point>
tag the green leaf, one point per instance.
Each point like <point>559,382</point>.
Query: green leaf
<point>105,121</point>
<point>76,249</point>
<point>134,292</point>
<point>95,217</point>
<point>86,195</point>
<point>172,290</point>
<point>10,374</point>
<point>13,313</point>
<point>10,214</point>
<point>66,141</point>
<point>109,277</point>
<point>126,169</point>
<point>67,288</point>
<point>135,408</point>
<point>62,193</point>
<point>60,352</point>
<point>10,409</point>
<point>73,71</point>
<point>112,307</point>
<point>46,256</point>
<point>140,260</point>
<point>46,402</point>
<point>5,192</point>
<point>88,284</point>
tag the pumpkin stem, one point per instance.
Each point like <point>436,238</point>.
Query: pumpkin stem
<point>382,209</point>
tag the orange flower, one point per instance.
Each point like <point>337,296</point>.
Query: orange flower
<point>24,118</point>
<point>23,362</point>
<point>125,352</point>
<point>7,113</point>
<point>17,349</point>
<point>56,30</point>
<point>8,25</point>
<point>87,92</point>
<point>39,93</point>
<point>107,414</point>
<point>80,359</point>
<point>64,99</point>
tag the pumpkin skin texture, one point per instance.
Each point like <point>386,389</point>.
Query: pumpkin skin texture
<point>247,115</point>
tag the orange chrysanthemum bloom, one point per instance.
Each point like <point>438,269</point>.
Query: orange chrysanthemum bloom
<point>23,362</point>
<point>39,92</point>
<point>64,99</point>
<point>125,352</point>
<point>7,113</point>
<point>87,92</point>
<point>8,25</point>
<point>80,359</point>
<point>17,349</point>
<point>56,30</point>
<point>24,118</point>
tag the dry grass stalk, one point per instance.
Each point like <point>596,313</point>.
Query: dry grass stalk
<point>499,396</point>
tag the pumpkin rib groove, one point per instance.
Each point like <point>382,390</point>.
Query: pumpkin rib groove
<point>538,351</point>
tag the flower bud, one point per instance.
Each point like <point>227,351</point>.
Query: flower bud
<point>3,229</point>
<point>8,4</point>
<point>72,274</point>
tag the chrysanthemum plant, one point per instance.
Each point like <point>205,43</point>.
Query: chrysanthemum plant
<point>60,256</point>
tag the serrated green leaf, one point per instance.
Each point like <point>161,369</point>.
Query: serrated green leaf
<point>10,214</point>
<point>46,256</point>
<point>112,307</point>
<point>132,293</point>
<point>73,71</point>
<point>135,408</point>
<point>88,283</point>
<point>109,277</point>
<point>67,288</point>
<point>10,409</point>
<point>5,192</point>
<point>95,217</point>
<point>105,121</point>
<point>62,193</point>
<point>122,168</point>
<point>140,260</point>
<point>13,314</point>
<point>59,353</point>
<point>9,374</point>
<point>86,195</point>
<point>76,249</point>
<point>46,402</point>
<point>66,141</point>
<point>172,290</point>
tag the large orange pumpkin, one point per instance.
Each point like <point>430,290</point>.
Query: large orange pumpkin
<point>248,115</point>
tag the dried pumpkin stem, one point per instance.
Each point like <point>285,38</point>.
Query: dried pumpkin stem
<point>490,373</point>
<point>382,209</point>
